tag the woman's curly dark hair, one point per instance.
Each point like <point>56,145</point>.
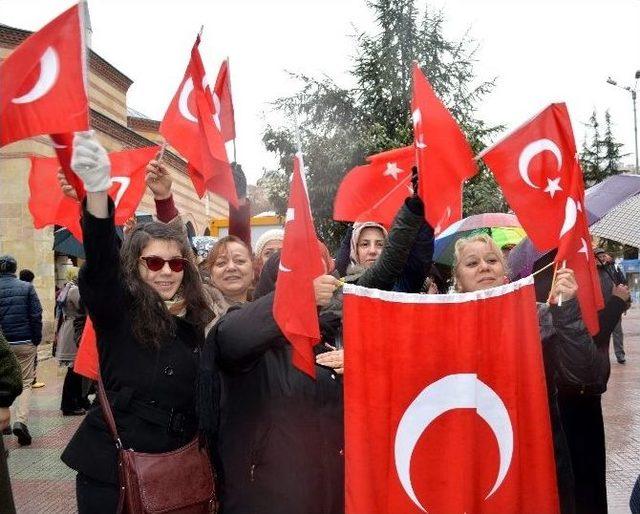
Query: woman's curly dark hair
<point>151,321</point>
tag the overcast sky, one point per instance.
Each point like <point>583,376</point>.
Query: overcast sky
<point>540,51</point>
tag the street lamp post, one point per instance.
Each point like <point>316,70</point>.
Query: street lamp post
<point>631,90</point>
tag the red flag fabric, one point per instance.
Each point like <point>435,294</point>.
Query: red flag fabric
<point>42,89</point>
<point>223,103</point>
<point>446,417</point>
<point>445,159</point>
<point>375,191</point>
<point>294,305</point>
<point>86,362</point>
<point>48,206</point>
<point>189,126</point>
<point>63,146</point>
<point>537,168</point>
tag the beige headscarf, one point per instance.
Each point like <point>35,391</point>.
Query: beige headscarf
<point>358,227</point>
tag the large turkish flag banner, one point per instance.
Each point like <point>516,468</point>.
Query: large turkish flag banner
<point>42,88</point>
<point>446,411</point>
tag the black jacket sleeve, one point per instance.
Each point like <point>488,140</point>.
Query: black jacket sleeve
<point>35,316</point>
<point>418,263</point>
<point>387,269</point>
<point>579,363</point>
<point>10,375</point>
<point>100,278</point>
<point>246,332</point>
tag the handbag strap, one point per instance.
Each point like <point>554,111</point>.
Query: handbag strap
<point>107,412</point>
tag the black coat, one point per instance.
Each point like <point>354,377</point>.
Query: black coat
<point>281,433</point>
<point>144,384</point>
<point>20,310</point>
<point>573,361</point>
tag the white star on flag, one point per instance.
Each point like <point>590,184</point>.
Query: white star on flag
<point>553,186</point>
<point>584,249</point>
<point>392,170</point>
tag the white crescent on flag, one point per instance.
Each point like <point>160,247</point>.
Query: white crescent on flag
<point>530,151</point>
<point>458,391</point>
<point>49,71</point>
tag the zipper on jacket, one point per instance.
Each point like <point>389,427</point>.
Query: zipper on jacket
<point>252,470</point>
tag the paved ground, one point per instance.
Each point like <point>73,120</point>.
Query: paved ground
<point>43,484</point>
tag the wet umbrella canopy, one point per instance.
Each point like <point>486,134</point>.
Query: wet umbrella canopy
<point>503,228</point>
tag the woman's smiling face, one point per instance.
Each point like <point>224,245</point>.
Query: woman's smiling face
<point>479,267</point>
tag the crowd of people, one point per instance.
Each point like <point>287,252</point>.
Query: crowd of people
<point>189,348</point>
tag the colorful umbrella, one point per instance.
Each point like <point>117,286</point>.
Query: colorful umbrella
<point>504,228</point>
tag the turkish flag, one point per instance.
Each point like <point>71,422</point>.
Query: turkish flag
<point>538,170</point>
<point>86,362</point>
<point>294,305</point>
<point>375,191</point>
<point>48,206</point>
<point>42,88</point>
<point>574,247</point>
<point>189,125</point>
<point>445,159</point>
<point>445,417</point>
<point>223,103</point>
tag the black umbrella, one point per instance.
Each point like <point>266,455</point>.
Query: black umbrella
<point>65,243</point>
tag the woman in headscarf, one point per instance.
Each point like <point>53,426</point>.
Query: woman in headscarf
<point>267,244</point>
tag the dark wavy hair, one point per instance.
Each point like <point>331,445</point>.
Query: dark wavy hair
<point>152,323</point>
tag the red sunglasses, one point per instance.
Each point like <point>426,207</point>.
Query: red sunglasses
<point>155,263</point>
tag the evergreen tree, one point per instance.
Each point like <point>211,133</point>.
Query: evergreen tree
<point>338,126</point>
<point>612,156</point>
<point>600,157</point>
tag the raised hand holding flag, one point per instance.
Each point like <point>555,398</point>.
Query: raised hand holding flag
<point>42,85</point>
<point>443,155</point>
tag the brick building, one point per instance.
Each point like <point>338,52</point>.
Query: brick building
<point>118,128</point>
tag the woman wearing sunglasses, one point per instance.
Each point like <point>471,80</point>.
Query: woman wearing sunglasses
<point>149,313</point>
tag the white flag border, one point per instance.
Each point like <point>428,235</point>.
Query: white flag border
<point>394,296</point>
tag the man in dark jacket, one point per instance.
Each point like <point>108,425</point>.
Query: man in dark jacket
<point>611,275</point>
<point>10,387</point>
<point>21,323</point>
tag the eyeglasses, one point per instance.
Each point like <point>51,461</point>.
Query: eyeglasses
<point>155,263</point>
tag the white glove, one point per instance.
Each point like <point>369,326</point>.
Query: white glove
<point>90,162</point>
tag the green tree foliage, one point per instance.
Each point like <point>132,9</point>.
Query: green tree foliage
<point>601,154</point>
<point>339,126</point>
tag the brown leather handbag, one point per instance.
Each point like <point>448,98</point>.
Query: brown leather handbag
<point>177,482</point>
